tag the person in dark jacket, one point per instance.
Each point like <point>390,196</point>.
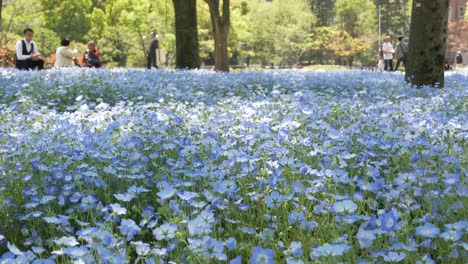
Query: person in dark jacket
<point>401,53</point>
<point>459,60</point>
<point>151,54</point>
<point>27,56</point>
<point>91,56</point>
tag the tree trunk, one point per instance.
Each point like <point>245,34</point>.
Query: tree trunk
<point>1,24</point>
<point>427,43</point>
<point>187,48</point>
<point>220,24</point>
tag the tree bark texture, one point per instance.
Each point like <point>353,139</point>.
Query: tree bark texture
<point>427,43</point>
<point>187,47</point>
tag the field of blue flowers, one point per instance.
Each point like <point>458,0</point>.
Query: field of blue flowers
<point>131,166</point>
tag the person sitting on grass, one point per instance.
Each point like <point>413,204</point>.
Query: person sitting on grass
<point>91,56</point>
<point>64,57</point>
<point>27,56</point>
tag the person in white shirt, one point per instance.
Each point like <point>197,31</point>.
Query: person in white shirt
<point>64,57</point>
<point>388,54</point>
<point>27,56</point>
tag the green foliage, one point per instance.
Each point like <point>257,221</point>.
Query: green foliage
<point>279,31</point>
<point>323,10</point>
<point>356,17</point>
<point>395,16</point>
<point>69,19</point>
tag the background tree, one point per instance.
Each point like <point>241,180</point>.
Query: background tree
<point>187,47</point>
<point>221,21</point>
<point>357,19</point>
<point>279,32</point>
<point>323,10</point>
<point>69,19</point>
<point>428,43</point>
<point>396,16</point>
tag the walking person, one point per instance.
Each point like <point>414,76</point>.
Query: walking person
<point>388,52</point>
<point>151,57</point>
<point>64,57</point>
<point>27,56</point>
<point>459,60</point>
<point>91,56</point>
<point>401,53</point>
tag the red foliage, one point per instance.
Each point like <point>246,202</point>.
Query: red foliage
<point>7,57</point>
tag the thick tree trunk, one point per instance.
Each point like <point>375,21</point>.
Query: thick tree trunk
<point>187,47</point>
<point>1,24</point>
<point>221,25</point>
<point>427,43</point>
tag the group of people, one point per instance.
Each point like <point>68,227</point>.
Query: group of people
<point>28,57</point>
<point>387,54</point>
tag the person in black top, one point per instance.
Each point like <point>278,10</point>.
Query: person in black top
<point>27,56</point>
<point>151,57</point>
<point>459,60</point>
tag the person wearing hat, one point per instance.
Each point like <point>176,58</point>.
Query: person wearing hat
<point>151,54</point>
<point>459,60</point>
<point>401,53</point>
<point>388,52</point>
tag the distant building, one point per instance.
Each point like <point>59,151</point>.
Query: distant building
<point>457,9</point>
<point>457,31</point>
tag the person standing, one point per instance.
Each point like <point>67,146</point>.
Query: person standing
<point>459,60</point>
<point>380,64</point>
<point>151,54</point>
<point>91,56</point>
<point>401,53</point>
<point>27,56</point>
<point>388,52</point>
<point>64,57</point>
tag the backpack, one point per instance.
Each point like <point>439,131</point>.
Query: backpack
<point>92,60</point>
<point>404,48</point>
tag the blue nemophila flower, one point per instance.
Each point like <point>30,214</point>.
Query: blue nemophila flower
<point>452,235</point>
<point>392,256</point>
<point>388,221</point>
<point>129,228</point>
<point>295,249</point>
<point>451,179</point>
<point>167,192</point>
<point>296,218</point>
<point>329,250</point>
<point>76,252</point>
<point>405,179</point>
<point>142,249</point>
<point>426,259</point>
<point>366,238</point>
<point>126,197</point>
<point>117,209</point>
<point>231,243</point>
<point>345,206</point>
<point>428,230</point>
<point>236,260</point>
<point>213,248</point>
<point>88,202</point>
<point>290,260</point>
<point>187,195</point>
<point>66,241</point>
<point>226,187</point>
<point>262,256</point>
<point>274,200</point>
<point>165,231</point>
